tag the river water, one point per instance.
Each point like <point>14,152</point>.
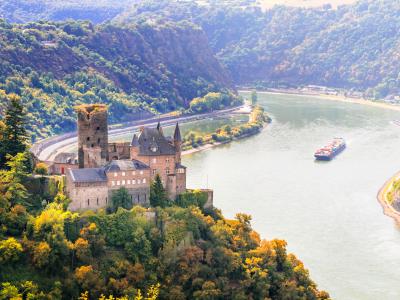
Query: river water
<point>327,212</point>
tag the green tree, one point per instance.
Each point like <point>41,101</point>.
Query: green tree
<point>41,169</point>
<point>10,250</point>
<point>14,137</point>
<point>158,195</point>
<point>121,198</point>
<point>253,97</point>
<point>11,180</point>
<point>9,291</point>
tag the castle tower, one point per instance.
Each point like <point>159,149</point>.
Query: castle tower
<point>135,147</point>
<point>177,143</point>
<point>92,135</point>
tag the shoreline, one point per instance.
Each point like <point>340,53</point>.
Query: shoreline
<point>337,98</point>
<point>207,146</point>
<point>388,209</point>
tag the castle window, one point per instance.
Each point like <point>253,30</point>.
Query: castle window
<point>98,141</point>
<point>144,180</point>
<point>141,172</point>
<point>113,183</point>
<point>154,171</point>
<point>134,181</point>
<point>167,171</point>
<point>115,174</point>
<point>92,145</point>
<point>97,201</point>
<point>123,173</point>
<point>98,128</point>
<point>88,202</point>
<point>133,173</point>
<point>118,182</point>
<point>88,138</point>
<point>138,181</point>
<point>167,160</point>
<point>129,182</point>
<point>106,200</point>
<point>123,182</point>
<point>154,160</point>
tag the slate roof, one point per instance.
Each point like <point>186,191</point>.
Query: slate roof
<point>88,175</point>
<point>177,133</point>
<point>178,165</point>
<point>152,142</point>
<point>125,165</point>
<point>135,141</point>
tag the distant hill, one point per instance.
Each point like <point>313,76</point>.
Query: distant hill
<point>97,11</point>
<point>144,67</point>
<point>303,3</point>
<point>353,47</point>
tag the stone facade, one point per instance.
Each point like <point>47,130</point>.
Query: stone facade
<point>106,167</point>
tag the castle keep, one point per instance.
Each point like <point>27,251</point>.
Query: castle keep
<point>92,135</point>
<point>106,167</point>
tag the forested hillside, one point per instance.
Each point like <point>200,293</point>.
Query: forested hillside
<point>353,46</point>
<point>21,11</point>
<point>147,66</point>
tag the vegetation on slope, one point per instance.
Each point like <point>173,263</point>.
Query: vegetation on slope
<point>226,133</point>
<point>54,66</point>
<point>96,11</point>
<point>353,47</point>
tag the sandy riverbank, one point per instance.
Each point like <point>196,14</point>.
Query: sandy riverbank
<point>388,209</point>
<point>339,98</point>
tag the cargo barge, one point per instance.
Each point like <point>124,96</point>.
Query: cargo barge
<point>331,150</point>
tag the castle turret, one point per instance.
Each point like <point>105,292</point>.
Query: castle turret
<point>135,147</point>
<point>92,135</point>
<point>159,128</point>
<point>177,143</point>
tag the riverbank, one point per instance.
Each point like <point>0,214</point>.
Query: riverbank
<point>382,197</point>
<point>337,98</point>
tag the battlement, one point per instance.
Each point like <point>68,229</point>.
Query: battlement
<point>90,109</point>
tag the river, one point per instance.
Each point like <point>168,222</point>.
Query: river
<point>327,212</point>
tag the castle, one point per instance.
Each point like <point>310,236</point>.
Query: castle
<point>105,167</point>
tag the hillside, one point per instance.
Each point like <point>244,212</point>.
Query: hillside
<point>143,67</point>
<point>353,47</point>
<point>97,11</point>
<point>178,250</point>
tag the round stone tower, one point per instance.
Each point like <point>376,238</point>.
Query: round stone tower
<point>92,135</point>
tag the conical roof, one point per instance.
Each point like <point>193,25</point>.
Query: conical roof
<point>135,141</point>
<point>177,133</point>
